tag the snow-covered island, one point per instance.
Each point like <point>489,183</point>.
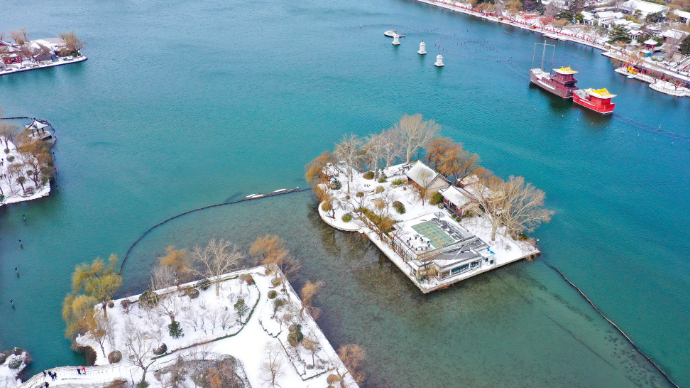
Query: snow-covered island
<point>26,167</point>
<point>438,229</point>
<point>25,54</point>
<point>250,331</point>
<point>435,245</point>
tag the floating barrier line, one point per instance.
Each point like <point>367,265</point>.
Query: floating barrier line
<point>613,324</point>
<point>273,194</point>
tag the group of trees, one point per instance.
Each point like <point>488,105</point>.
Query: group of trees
<point>92,283</point>
<point>400,142</point>
<point>514,204</point>
<point>30,167</point>
<point>36,51</point>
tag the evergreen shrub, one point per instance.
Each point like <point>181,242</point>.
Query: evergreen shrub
<point>15,363</point>
<point>436,198</point>
<point>203,284</point>
<point>175,330</point>
<point>347,217</point>
<point>379,189</point>
<point>149,299</point>
<point>336,185</point>
<point>399,207</point>
<point>369,175</point>
<point>272,294</point>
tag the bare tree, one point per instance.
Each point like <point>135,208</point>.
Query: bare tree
<point>139,347</point>
<point>215,260</point>
<point>425,178</point>
<point>101,329</point>
<point>347,150</point>
<point>415,133</point>
<point>312,345</point>
<point>450,159</point>
<point>178,262</point>
<point>523,206</point>
<point>373,151</point>
<point>8,131</point>
<point>353,357</point>
<point>491,197</point>
<point>73,44</point>
<point>272,367</point>
<point>319,171</point>
<point>272,253</point>
<point>309,290</point>
<point>391,146</point>
<point>19,36</point>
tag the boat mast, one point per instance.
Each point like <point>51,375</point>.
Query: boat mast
<point>543,54</point>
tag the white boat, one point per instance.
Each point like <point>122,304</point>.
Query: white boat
<point>392,34</point>
<point>279,191</point>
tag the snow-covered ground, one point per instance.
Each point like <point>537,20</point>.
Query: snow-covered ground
<point>13,192</point>
<point>10,370</point>
<point>212,329</point>
<point>503,250</point>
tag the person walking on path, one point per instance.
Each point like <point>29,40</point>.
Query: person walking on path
<point>83,370</point>
<point>79,371</point>
<point>20,244</point>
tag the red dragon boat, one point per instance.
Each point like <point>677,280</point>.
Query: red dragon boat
<point>598,100</point>
<point>562,83</point>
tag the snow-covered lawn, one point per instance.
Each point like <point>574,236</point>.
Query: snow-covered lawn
<point>496,253</point>
<point>212,328</point>
<point>11,190</point>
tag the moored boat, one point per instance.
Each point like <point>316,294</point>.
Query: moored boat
<point>598,100</point>
<point>562,83</point>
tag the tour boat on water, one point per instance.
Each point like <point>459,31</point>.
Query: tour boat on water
<point>562,83</point>
<point>598,100</point>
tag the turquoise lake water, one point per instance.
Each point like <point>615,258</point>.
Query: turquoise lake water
<point>183,104</point>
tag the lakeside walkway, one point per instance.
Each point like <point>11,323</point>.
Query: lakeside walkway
<point>28,66</point>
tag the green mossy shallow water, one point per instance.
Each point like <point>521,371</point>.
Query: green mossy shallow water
<point>183,104</point>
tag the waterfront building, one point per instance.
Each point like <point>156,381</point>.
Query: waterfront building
<point>421,176</point>
<point>458,200</point>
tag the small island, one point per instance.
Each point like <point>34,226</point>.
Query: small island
<point>25,54</point>
<point>439,225</point>
<point>231,328</point>
<point>26,162</point>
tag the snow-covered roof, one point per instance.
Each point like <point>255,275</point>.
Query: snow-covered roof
<point>457,197</point>
<point>683,14</point>
<point>673,34</point>
<point>606,15</point>
<point>587,15</point>
<point>36,125</point>
<point>422,174</point>
<point>651,42</point>
<point>644,7</point>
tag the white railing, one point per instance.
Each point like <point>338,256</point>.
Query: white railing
<point>95,376</point>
